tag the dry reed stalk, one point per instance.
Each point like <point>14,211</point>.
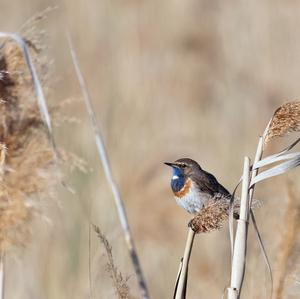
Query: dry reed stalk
<point>119,282</point>
<point>32,80</point>
<point>181,281</point>
<point>28,159</point>
<point>257,158</point>
<point>288,240</point>
<point>103,156</point>
<point>240,245</point>
<point>286,119</point>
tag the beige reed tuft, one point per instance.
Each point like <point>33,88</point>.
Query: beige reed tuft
<point>286,119</point>
<point>27,161</point>
<point>211,217</point>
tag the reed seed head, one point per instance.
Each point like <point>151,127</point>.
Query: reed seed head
<point>211,217</point>
<point>27,161</point>
<point>286,119</point>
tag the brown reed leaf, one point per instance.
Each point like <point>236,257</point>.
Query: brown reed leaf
<point>120,283</point>
<point>286,119</point>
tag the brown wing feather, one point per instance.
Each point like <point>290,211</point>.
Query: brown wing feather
<point>206,182</point>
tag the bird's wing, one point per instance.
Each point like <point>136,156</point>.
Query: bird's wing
<point>208,183</point>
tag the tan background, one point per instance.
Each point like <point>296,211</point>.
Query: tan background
<point>169,79</point>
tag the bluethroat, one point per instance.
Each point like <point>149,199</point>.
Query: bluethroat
<point>193,186</point>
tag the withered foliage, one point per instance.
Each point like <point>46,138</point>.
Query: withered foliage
<point>27,159</point>
<point>286,119</point>
<point>212,216</point>
<point>120,284</point>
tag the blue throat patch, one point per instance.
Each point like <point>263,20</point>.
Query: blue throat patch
<point>177,183</point>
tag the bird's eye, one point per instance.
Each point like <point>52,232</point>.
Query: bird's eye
<point>183,165</point>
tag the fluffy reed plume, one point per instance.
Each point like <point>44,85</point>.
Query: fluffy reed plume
<point>286,119</point>
<point>27,159</point>
<point>288,241</point>
<point>119,282</point>
<point>211,217</point>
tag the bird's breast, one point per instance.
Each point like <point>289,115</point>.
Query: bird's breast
<point>191,198</point>
<point>185,189</point>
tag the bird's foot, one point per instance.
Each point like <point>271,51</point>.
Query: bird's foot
<point>191,225</point>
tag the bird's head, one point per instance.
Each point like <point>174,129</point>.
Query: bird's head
<point>183,167</point>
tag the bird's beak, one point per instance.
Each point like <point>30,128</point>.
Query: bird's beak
<point>169,164</point>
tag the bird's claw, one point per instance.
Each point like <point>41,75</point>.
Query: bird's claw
<point>191,225</point>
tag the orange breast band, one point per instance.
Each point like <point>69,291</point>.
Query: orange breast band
<point>185,189</point>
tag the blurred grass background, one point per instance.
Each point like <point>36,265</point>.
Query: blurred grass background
<point>169,79</point>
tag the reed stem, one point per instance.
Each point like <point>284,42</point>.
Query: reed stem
<point>180,289</point>
<point>103,156</point>
<point>240,244</point>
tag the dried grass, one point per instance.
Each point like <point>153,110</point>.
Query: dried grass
<point>119,282</point>
<point>286,119</point>
<point>211,217</point>
<point>27,159</point>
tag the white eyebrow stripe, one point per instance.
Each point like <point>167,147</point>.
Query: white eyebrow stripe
<point>175,177</point>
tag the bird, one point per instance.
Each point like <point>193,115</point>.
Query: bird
<point>193,187</point>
